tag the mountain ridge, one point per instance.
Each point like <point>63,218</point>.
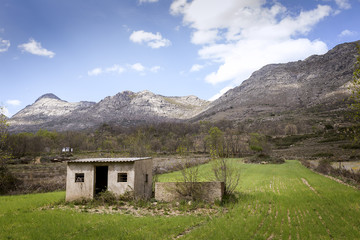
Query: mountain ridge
<point>318,79</point>
<point>53,113</point>
<point>267,99</point>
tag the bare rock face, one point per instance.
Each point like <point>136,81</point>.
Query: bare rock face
<point>46,109</point>
<point>320,80</point>
<point>127,108</point>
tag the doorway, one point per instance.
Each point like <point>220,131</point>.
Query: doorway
<point>101,179</point>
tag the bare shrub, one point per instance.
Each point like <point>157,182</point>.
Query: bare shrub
<point>225,172</point>
<point>188,188</point>
<point>8,182</point>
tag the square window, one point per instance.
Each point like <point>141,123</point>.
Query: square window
<point>79,177</point>
<point>122,177</point>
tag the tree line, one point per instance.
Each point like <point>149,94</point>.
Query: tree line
<point>162,138</point>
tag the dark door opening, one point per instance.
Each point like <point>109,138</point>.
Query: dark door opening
<point>101,179</point>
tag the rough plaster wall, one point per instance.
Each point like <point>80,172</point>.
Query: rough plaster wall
<point>121,187</point>
<point>142,188</point>
<point>210,191</point>
<point>78,190</point>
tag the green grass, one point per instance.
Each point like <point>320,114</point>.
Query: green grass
<point>274,203</point>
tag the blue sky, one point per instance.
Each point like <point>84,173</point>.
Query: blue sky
<point>89,49</point>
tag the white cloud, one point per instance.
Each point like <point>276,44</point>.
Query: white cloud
<point>155,69</point>
<point>152,40</point>
<point>222,91</point>
<point>204,36</point>
<point>95,72</point>
<point>115,69</point>
<point>137,67</point>
<point>35,48</point>
<point>242,36</point>
<point>347,33</point>
<point>4,45</point>
<point>196,67</point>
<point>343,4</point>
<point>13,102</point>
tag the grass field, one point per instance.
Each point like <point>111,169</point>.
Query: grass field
<point>284,201</point>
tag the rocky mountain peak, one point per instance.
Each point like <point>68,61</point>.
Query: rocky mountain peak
<point>48,95</point>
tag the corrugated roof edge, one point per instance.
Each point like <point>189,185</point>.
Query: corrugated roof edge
<point>107,160</point>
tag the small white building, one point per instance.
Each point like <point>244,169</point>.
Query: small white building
<point>67,150</point>
<point>88,177</point>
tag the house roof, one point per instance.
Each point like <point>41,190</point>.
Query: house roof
<point>107,160</point>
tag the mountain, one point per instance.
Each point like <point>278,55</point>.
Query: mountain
<point>126,108</point>
<point>300,91</point>
<point>45,112</point>
<point>300,96</point>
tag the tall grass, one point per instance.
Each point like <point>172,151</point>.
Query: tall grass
<point>284,201</point>
<point>287,202</point>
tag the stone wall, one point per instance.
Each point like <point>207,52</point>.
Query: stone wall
<point>209,191</point>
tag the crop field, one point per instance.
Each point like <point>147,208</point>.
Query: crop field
<point>284,201</point>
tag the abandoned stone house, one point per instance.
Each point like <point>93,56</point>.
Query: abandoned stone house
<point>88,177</point>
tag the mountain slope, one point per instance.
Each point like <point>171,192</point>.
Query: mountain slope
<point>127,108</point>
<point>320,80</point>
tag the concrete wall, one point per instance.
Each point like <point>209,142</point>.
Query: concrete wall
<point>136,176</point>
<point>210,191</point>
<point>142,188</point>
<point>78,190</point>
<point>119,188</point>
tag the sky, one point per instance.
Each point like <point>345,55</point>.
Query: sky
<point>85,50</point>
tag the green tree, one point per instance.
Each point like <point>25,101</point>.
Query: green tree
<point>258,143</point>
<point>215,140</point>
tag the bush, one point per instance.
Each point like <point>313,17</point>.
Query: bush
<point>284,142</point>
<point>349,176</point>
<point>324,167</point>
<point>323,154</point>
<point>8,182</point>
<point>350,146</point>
<point>106,197</point>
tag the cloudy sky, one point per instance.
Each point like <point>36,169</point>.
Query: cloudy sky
<point>89,49</point>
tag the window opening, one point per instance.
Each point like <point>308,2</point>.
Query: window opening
<point>122,177</point>
<point>79,177</point>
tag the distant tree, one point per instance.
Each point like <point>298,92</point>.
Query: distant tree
<point>215,140</point>
<point>7,180</point>
<point>4,155</point>
<point>258,143</point>
<point>138,144</point>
